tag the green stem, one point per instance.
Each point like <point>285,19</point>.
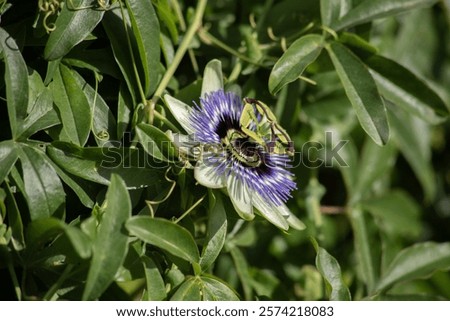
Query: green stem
<point>208,38</point>
<point>55,287</point>
<point>166,121</point>
<point>193,28</point>
<point>190,209</point>
<point>15,281</point>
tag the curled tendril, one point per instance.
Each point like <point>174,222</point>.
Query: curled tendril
<point>165,198</point>
<point>49,8</point>
<point>102,5</point>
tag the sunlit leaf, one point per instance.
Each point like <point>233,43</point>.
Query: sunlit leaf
<point>166,235</point>
<point>71,27</point>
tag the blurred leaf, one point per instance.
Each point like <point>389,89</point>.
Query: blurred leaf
<point>375,161</point>
<point>97,164</point>
<point>370,10</point>
<point>71,27</point>
<point>166,235</point>
<point>145,25</point>
<point>411,136</point>
<point>398,213</point>
<point>110,245</point>
<point>329,267</point>
<point>156,290</point>
<point>417,261</point>
<point>367,253</point>
<point>156,143</point>
<point>240,262</point>
<point>294,61</point>
<point>330,11</point>
<point>73,106</point>
<point>362,92</point>
<point>169,19</point>
<point>8,157</point>
<point>216,232</point>
<point>406,90</point>
<point>16,80</point>
<point>44,192</point>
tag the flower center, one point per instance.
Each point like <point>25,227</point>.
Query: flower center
<point>242,149</point>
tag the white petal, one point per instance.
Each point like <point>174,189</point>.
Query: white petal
<point>207,176</point>
<point>180,111</point>
<point>212,77</point>
<point>274,214</point>
<point>295,222</point>
<point>240,197</point>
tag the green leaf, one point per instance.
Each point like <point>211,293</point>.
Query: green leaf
<point>216,290</point>
<point>124,111</point>
<point>110,246</point>
<point>114,26</point>
<point>8,157</point>
<point>212,77</point>
<point>189,290</point>
<point>361,91</point>
<point>15,220</point>
<point>43,189</point>
<point>41,116</point>
<point>72,104</point>
<point>242,270</point>
<point>300,54</point>
<point>145,25</point>
<point>329,267</point>
<point>216,233</point>
<point>41,231</point>
<point>375,162</point>
<point>103,122</point>
<point>412,137</point>
<point>206,288</point>
<point>406,90</point>
<point>367,11</point>
<point>71,27</point>
<point>156,143</point>
<point>156,289</point>
<point>97,164</point>
<point>165,235</point>
<point>417,261</point>
<point>397,212</point>
<point>16,80</point>
<point>366,251</point>
<point>330,11</point>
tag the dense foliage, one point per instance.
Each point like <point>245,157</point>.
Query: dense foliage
<point>96,202</point>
